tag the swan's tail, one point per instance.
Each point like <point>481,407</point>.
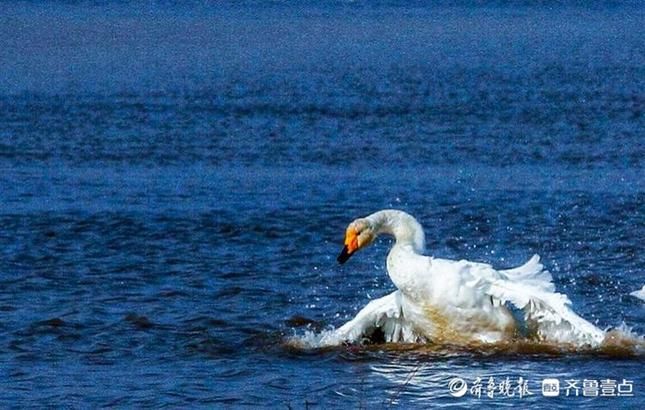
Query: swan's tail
<point>532,273</point>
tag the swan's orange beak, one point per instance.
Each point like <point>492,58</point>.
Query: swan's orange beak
<point>351,245</point>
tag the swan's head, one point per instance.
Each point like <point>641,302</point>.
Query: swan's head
<point>359,234</point>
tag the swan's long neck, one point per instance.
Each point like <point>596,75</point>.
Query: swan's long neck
<point>405,229</point>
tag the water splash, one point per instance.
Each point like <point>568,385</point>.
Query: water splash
<point>620,342</point>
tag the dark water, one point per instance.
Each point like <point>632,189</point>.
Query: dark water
<point>175,183</point>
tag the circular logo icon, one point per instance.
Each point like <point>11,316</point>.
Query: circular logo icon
<point>457,387</point>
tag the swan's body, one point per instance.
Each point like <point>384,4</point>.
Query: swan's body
<point>441,300</point>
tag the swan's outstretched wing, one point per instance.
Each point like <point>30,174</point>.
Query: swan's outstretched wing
<point>384,317</point>
<point>529,287</point>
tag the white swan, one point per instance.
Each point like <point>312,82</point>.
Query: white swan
<point>458,302</point>
<point>640,294</point>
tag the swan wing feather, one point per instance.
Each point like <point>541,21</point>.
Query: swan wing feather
<point>530,288</point>
<point>386,314</point>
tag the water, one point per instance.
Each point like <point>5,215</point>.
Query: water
<point>175,183</point>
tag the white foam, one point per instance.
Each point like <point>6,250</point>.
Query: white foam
<point>313,340</point>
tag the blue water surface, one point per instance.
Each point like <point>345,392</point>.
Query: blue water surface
<point>176,178</point>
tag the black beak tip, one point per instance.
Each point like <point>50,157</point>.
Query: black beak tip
<point>344,256</point>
